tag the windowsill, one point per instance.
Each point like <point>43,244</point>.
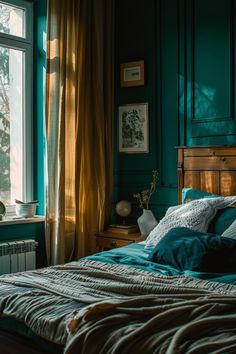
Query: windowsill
<point>13,221</point>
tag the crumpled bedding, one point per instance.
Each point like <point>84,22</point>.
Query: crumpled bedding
<point>92,306</point>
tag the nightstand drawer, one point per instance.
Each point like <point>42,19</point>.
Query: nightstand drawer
<point>108,242</point>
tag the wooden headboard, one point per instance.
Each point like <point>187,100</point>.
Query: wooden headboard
<point>209,168</point>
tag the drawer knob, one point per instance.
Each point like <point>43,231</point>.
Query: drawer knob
<point>113,244</point>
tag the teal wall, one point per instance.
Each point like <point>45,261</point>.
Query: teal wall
<point>36,230</point>
<point>189,53</point>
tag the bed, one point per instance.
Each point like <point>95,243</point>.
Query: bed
<point>119,301</point>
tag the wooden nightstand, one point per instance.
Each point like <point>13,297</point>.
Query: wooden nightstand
<point>109,240</point>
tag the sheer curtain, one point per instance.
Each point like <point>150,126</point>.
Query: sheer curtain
<point>79,115</point>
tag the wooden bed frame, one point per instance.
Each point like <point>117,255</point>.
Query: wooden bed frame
<point>208,168</point>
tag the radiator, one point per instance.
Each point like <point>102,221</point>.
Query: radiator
<point>17,256</point>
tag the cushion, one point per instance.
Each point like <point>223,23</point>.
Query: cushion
<point>185,249</point>
<point>172,208</point>
<point>222,220</point>
<point>189,194</point>
<point>230,231</point>
<point>195,215</point>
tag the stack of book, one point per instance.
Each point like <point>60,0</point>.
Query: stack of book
<point>125,229</point>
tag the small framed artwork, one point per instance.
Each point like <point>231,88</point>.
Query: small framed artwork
<point>133,128</point>
<point>132,74</point>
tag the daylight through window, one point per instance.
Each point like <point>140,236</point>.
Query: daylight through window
<point>15,101</point>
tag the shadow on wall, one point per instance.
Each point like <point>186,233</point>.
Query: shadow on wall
<point>205,104</point>
<point>205,123</point>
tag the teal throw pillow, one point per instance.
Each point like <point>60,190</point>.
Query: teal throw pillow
<point>231,231</point>
<point>189,194</point>
<point>223,219</point>
<point>186,249</point>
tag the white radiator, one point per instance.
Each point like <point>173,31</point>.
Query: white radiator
<point>17,256</point>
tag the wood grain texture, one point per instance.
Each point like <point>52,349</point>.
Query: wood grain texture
<point>210,181</point>
<point>211,169</point>
<point>109,240</point>
<point>210,163</point>
<point>210,151</point>
<point>180,174</point>
<point>109,243</point>
<point>228,183</point>
<point>192,179</point>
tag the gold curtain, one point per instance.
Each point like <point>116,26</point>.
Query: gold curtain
<point>79,115</point>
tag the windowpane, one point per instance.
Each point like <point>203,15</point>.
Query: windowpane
<point>11,124</point>
<point>12,20</point>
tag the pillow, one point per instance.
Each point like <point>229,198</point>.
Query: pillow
<point>189,194</point>
<point>185,249</point>
<point>172,208</point>
<point>231,231</point>
<point>222,220</point>
<point>195,215</point>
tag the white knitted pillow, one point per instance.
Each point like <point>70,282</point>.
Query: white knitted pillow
<point>173,208</point>
<point>196,215</point>
<point>231,231</point>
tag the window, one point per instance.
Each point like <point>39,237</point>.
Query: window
<point>15,101</point>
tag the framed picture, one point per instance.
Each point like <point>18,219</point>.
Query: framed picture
<point>133,128</point>
<point>132,74</point>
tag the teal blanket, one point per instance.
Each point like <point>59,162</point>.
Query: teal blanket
<point>135,255</point>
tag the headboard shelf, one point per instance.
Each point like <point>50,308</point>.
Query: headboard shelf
<point>209,168</point>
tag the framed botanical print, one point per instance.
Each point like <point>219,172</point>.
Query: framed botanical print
<point>134,128</point>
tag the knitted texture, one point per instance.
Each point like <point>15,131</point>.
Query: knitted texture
<point>195,215</point>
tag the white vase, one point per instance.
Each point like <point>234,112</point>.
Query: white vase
<point>146,222</point>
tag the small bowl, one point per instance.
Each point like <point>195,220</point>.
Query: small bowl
<point>25,210</point>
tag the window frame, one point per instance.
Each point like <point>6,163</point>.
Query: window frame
<point>24,44</point>
<point>28,8</point>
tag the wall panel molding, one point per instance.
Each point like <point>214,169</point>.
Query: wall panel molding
<point>196,86</point>
<point>210,70</point>
<point>190,55</point>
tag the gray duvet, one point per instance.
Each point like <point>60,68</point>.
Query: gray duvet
<point>94,307</point>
